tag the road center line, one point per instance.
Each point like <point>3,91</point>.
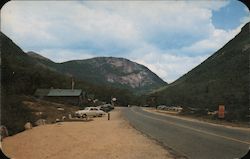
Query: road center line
<point>187,127</point>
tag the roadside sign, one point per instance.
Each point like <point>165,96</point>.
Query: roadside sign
<point>221,112</point>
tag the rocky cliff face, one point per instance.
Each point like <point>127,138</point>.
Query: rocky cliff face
<point>110,71</point>
<point>126,72</point>
<point>117,72</point>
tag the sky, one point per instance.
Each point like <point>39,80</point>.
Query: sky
<point>168,37</point>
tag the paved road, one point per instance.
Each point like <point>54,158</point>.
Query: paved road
<point>192,139</point>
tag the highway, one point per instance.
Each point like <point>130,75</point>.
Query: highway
<point>190,138</point>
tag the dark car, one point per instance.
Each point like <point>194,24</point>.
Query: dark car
<point>106,107</point>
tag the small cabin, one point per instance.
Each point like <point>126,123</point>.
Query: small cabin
<point>66,96</point>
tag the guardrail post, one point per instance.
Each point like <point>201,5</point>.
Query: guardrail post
<point>108,116</point>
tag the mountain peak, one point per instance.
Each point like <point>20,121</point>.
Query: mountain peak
<point>111,71</point>
<point>118,72</point>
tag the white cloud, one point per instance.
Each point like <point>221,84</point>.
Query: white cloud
<point>211,5</point>
<point>169,66</point>
<point>43,24</point>
<point>245,19</point>
<point>169,37</point>
<point>121,25</point>
<point>216,39</point>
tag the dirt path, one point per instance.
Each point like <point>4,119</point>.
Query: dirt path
<point>97,139</point>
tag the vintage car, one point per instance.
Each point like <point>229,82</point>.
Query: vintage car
<point>90,112</point>
<point>106,107</point>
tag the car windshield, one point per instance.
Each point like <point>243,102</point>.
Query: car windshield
<point>87,108</point>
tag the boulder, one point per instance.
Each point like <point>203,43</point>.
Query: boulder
<point>40,122</point>
<point>28,126</point>
<point>63,118</point>
<point>3,132</point>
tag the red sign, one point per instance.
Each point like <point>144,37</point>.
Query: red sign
<point>221,112</point>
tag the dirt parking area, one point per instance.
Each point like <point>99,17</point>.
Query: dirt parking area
<point>95,139</point>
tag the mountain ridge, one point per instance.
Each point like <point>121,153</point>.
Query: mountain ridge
<point>114,71</point>
<point>223,78</point>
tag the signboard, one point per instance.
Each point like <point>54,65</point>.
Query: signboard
<point>221,112</point>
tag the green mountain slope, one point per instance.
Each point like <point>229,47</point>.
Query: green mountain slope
<point>109,71</point>
<point>221,79</point>
<point>22,74</point>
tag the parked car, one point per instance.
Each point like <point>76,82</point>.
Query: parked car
<point>90,112</point>
<point>161,107</point>
<point>100,112</point>
<point>106,107</point>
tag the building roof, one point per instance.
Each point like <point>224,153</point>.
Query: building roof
<point>64,92</point>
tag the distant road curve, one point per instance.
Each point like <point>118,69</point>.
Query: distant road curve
<point>192,139</point>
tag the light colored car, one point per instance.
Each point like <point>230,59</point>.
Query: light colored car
<point>161,107</point>
<point>100,112</point>
<point>90,112</point>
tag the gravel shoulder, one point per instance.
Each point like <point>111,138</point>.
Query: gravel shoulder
<point>96,139</point>
<point>245,127</point>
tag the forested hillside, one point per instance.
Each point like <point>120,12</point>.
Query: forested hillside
<point>221,79</point>
<point>22,75</point>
